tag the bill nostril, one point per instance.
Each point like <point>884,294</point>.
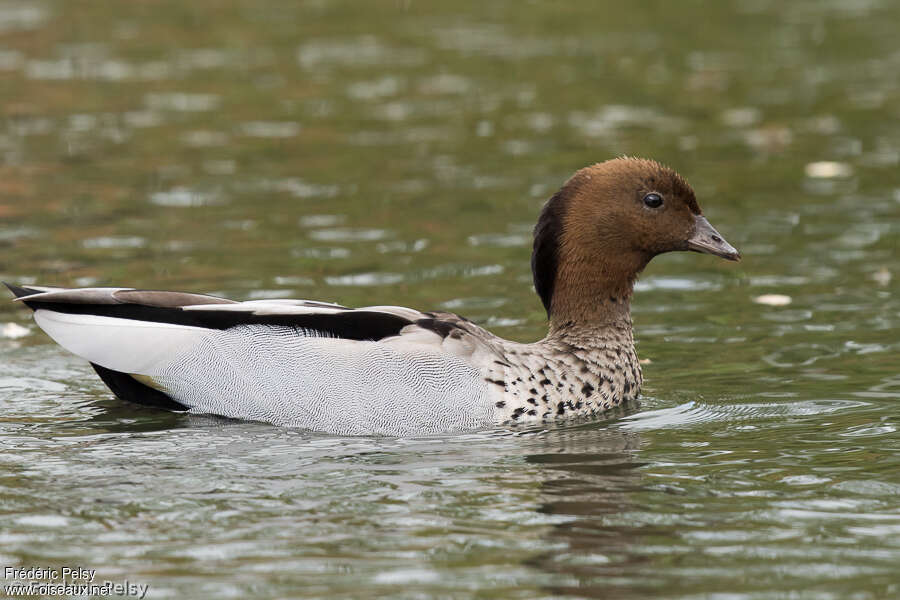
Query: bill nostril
<point>717,239</point>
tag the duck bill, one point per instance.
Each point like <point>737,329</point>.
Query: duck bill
<point>706,239</point>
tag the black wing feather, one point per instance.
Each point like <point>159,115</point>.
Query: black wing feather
<point>20,291</point>
<point>347,324</point>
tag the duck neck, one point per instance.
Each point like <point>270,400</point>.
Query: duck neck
<point>592,313</point>
<point>592,298</point>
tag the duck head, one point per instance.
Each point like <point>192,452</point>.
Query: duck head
<point>597,233</point>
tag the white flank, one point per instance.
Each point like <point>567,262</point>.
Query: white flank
<point>125,345</point>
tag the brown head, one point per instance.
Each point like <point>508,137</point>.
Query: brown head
<point>602,228</point>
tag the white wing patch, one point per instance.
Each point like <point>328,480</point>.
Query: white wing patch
<point>400,311</point>
<point>302,307</point>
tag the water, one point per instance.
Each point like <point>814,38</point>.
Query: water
<point>397,153</point>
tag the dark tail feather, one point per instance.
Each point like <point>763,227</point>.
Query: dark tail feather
<point>127,388</point>
<point>19,291</point>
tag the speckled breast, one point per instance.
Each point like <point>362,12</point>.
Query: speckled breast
<point>565,376</point>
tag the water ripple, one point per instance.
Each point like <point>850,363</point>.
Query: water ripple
<point>692,413</point>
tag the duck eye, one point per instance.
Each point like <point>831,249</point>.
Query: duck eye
<point>653,200</point>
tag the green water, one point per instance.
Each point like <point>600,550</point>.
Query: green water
<point>398,153</point>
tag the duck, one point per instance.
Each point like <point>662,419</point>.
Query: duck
<point>396,371</point>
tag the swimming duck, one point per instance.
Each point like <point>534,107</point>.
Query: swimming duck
<point>397,371</point>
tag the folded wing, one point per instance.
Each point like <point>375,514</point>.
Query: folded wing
<point>374,370</point>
